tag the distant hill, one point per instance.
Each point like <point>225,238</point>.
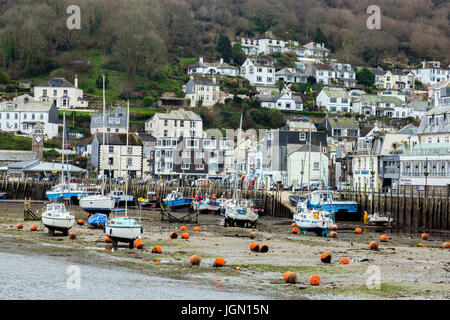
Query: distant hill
<point>140,38</point>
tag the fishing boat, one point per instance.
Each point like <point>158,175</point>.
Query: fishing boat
<point>377,220</point>
<point>176,200</point>
<point>151,201</point>
<point>322,199</point>
<point>99,203</point>
<point>239,212</point>
<point>123,229</point>
<point>208,205</point>
<point>98,220</point>
<point>55,217</point>
<point>120,197</point>
<point>71,191</point>
<point>314,220</point>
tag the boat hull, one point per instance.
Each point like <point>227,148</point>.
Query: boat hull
<point>177,204</point>
<point>123,233</point>
<point>97,205</point>
<point>58,224</point>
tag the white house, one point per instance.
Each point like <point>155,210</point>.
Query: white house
<point>115,121</point>
<point>323,73</point>
<point>314,49</point>
<point>334,100</point>
<point>202,67</point>
<point>254,47</point>
<point>260,72</point>
<point>313,165</point>
<point>434,92</point>
<point>16,116</point>
<point>380,106</point>
<point>62,92</point>
<point>431,73</point>
<point>291,75</point>
<point>283,101</point>
<point>204,91</point>
<point>345,75</point>
<point>176,123</point>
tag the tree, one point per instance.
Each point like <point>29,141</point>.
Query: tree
<point>365,77</point>
<point>4,78</point>
<point>148,101</point>
<point>311,80</point>
<point>280,84</point>
<point>319,37</point>
<point>99,81</point>
<point>224,48</point>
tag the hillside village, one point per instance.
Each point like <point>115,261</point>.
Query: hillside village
<point>361,127</point>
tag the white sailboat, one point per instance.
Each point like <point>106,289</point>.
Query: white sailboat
<point>55,217</point>
<point>239,212</point>
<point>124,229</point>
<point>312,219</point>
<point>99,203</point>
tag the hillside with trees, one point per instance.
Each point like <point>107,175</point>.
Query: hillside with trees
<point>142,43</point>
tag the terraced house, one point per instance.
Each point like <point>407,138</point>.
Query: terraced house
<point>203,92</point>
<point>382,106</point>
<point>334,100</point>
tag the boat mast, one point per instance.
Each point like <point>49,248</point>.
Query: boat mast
<point>237,158</point>
<point>309,160</point>
<point>126,175</point>
<point>62,155</point>
<point>320,163</point>
<point>104,129</point>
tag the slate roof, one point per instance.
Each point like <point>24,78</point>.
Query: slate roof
<point>57,83</point>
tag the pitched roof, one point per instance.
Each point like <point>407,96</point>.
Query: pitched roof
<point>219,65</point>
<point>323,66</point>
<point>335,93</point>
<point>30,106</point>
<point>365,130</point>
<point>418,105</point>
<point>408,129</point>
<point>179,114</point>
<point>377,72</point>
<point>56,83</point>
<point>371,99</point>
<point>344,123</point>
<point>119,139</point>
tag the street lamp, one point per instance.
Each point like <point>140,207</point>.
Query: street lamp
<point>426,173</point>
<point>372,173</point>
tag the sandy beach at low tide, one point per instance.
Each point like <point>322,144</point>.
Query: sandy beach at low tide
<point>405,269</point>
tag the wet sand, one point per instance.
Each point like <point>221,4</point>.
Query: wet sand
<point>407,270</point>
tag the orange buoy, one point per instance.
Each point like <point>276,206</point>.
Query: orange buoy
<point>315,280</point>
<point>373,245</point>
<point>294,230</point>
<point>156,249</point>
<point>72,235</point>
<point>290,277</point>
<point>196,228</point>
<point>424,236</point>
<point>185,235</point>
<point>33,227</point>
<point>384,238</point>
<point>108,248</point>
<point>358,230</point>
<point>19,226</point>
<point>333,234</point>
<point>195,260</point>
<point>294,225</point>
<point>446,245</point>
<point>254,246</point>
<point>252,235</point>
<point>219,262</point>
<point>183,228</point>
<point>108,239</point>
<point>80,222</point>
<point>334,227</point>
<point>344,260</point>
<point>325,257</point>
<point>173,235</point>
<point>139,244</point>
<point>263,248</point>
<point>157,261</point>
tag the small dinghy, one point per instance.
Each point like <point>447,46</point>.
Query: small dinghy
<point>377,220</point>
<point>98,220</point>
<point>56,218</point>
<point>240,213</point>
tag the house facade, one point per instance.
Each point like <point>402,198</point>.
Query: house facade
<point>345,75</point>
<point>211,68</point>
<point>382,106</point>
<point>22,117</point>
<point>259,72</point>
<point>334,100</point>
<point>291,75</point>
<point>286,100</point>
<point>60,91</point>
<point>176,123</point>
<point>115,121</point>
<point>431,73</point>
<point>202,91</point>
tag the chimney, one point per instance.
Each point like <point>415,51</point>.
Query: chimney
<point>221,60</point>
<point>200,60</point>
<point>76,81</point>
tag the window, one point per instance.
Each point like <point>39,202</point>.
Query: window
<point>333,100</point>
<point>316,166</point>
<point>193,124</point>
<point>199,166</point>
<point>259,79</point>
<point>166,133</point>
<point>344,100</point>
<point>185,154</point>
<point>130,150</point>
<point>166,122</point>
<point>288,105</point>
<point>55,93</point>
<point>111,149</point>
<point>130,162</point>
<point>302,136</point>
<point>259,69</point>
<point>110,161</point>
<point>192,143</point>
<point>185,166</point>
<point>181,123</point>
<point>200,155</point>
<point>175,123</point>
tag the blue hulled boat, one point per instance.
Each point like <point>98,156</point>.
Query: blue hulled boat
<point>320,199</point>
<point>176,200</point>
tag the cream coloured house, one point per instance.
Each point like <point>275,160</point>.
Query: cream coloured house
<point>202,92</point>
<point>62,92</point>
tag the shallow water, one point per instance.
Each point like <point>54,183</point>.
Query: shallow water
<point>31,277</point>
